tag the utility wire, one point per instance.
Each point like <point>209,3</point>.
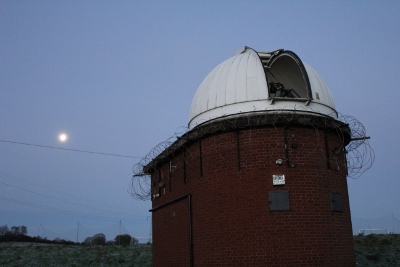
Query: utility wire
<point>69,149</point>
<point>56,210</point>
<point>104,218</point>
<point>115,212</point>
<point>64,193</point>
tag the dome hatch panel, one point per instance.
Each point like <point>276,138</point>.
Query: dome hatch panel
<point>254,81</point>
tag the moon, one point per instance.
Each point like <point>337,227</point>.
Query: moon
<point>63,137</point>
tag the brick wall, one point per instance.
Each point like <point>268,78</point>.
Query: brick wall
<point>229,176</point>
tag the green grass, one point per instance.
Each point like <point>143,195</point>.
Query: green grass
<point>377,250</point>
<point>76,256</point>
<point>371,251</point>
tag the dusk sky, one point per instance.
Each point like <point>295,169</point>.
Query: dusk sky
<point>118,77</point>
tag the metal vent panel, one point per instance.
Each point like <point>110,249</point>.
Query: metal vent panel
<point>336,202</point>
<point>279,200</point>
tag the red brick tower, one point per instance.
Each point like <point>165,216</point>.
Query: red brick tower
<point>260,177</point>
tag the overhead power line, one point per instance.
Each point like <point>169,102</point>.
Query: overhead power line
<point>56,209</point>
<point>58,191</point>
<point>85,206</point>
<point>68,149</point>
<point>68,212</point>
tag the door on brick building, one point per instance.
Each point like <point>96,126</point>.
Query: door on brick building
<point>171,235</point>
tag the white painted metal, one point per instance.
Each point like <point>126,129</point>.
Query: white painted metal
<point>319,87</point>
<point>239,85</point>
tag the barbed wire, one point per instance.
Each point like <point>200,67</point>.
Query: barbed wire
<point>359,154</point>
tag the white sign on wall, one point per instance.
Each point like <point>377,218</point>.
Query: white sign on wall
<point>278,179</point>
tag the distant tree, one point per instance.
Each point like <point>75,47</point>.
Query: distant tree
<point>19,230</point>
<point>24,230</point>
<point>97,239</point>
<point>16,233</point>
<point>134,241</point>
<point>4,230</point>
<point>88,241</point>
<point>15,230</point>
<point>124,239</point>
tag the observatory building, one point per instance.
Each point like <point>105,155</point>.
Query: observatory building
<point>259,179</point>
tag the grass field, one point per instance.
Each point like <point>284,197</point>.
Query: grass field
<point>371,251</point>
<point>72,255</point>
<point>377,250</point>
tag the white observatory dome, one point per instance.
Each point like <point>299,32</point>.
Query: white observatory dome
<point>252,81</point>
